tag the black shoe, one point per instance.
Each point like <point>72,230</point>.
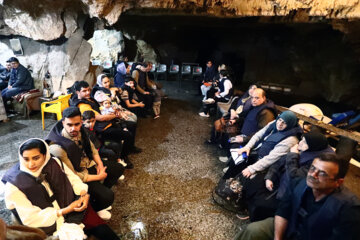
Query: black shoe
<point>136,150</point>
<point>129,164</point>
<point>209,142</point>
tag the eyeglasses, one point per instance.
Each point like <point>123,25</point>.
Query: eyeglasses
<point>321,174</point>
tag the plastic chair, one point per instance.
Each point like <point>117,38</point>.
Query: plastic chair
<point>56,106</point>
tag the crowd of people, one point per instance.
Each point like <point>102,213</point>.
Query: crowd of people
<point>286,180</point>
<point>62,184</point>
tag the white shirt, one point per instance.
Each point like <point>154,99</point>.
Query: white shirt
<point>227,87</point>
<point>33,216</point>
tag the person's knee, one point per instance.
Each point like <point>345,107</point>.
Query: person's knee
<point>261,230</point>
<point>106,197</point>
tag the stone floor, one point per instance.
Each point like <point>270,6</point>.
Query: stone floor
<point>168,193</point>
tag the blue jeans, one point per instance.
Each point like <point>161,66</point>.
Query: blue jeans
<point>8,93</point>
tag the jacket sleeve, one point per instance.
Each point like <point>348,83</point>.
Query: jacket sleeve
<point>75,181</point>
<point>292,166</point>
<point>22,78</point>
<point>281,149</point>
<point>264,118</point>
<point>275,170</point>
<point>60,153</point>
<point>257,136</point>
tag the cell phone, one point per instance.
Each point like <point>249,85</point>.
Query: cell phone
<point>232,139</point>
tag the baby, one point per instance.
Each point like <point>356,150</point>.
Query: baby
<point>108,108</point>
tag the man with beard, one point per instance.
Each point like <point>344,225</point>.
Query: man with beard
<point>317,207</point>
<point>70,143</point>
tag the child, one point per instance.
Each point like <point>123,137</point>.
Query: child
<point>109,149</point>
<point>107,108</point>
<point>157,102</point>
<point>128,99</point>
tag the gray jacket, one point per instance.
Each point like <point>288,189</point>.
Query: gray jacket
<point>281,149</point>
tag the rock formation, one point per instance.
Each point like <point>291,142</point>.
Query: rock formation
<point>106,44</point>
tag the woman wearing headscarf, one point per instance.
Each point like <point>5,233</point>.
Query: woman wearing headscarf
<point>44,193</point>
<point>102,91</point>
<point>261,197</point>
<point>268,145</point>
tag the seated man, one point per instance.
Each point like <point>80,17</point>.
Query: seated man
<point>317,207</point>
<point>143,85</point>
<point>259,192</point>
<point>239,105</point>
<point>261,112</point>
<point>20,81</point>
<point>104,123</point>
<point>209,76</point>
<point>69,142</point>
<point>223,94</point>
<point>5,75</point>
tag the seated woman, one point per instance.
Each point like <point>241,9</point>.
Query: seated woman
<point>103,87</point>
<point>270,144</point>
<point>44,193</point>
<point>261,197</point>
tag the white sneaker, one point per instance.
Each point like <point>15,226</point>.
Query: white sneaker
<point>122,162</point>
<point>202,114</point>
<point>223,159</point>
<point>122,177</point>
<point>104,214</point>
<point>225,169</point>
<point>209,101</point>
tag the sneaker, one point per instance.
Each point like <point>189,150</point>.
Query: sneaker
<point>225,169</point>
<point>209,142</point>
<point>223,159</point>
<point>202,114</point>
<point>122,177</point>
<point>122,162</point>
<point>157,116</point>
<point>129,165</point>
<point>104,214</point>
<point>209,101</point>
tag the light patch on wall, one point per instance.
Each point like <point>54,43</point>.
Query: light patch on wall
<point>16,46</point>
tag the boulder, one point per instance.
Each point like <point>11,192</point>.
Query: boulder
<point>106,44</point>
<point>47,26</point>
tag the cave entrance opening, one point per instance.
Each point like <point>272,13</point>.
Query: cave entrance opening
<point>315,60</point>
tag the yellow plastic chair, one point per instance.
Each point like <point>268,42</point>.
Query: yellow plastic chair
<point>57,106</point>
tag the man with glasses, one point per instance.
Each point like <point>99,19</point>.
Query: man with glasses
<point>318,207</point>
<point>258,115</point>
